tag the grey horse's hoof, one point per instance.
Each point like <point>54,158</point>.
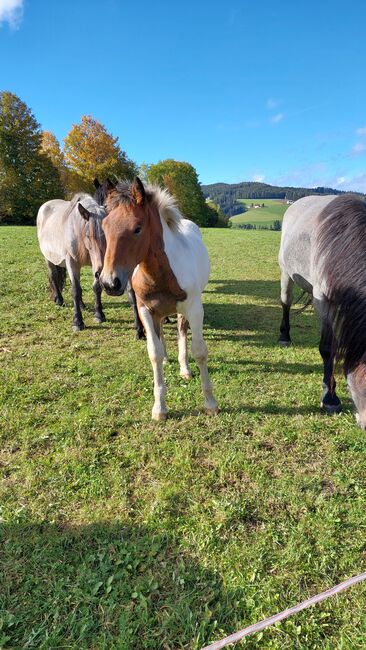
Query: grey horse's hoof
<point>99,318</point>
<point>284,344</point>
<point>79,327</point>
<point>331,409</point>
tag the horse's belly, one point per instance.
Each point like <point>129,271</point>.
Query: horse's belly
<point>53,255</point>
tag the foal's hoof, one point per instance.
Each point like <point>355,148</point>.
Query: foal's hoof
<point>284,343</point>
<point>331,409</point>
<point>186,375</point>
<point>212,411</point>
<point>78,327</point>
<point>99,318</point>
<point>159,417</point>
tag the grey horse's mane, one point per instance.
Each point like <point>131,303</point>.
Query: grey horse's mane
<point>341,251</point>
<point>161,198</point>
<point>88,202</point>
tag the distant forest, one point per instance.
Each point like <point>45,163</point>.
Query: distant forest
<point>226,195</point>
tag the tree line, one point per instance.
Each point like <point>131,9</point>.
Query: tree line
<point>226,195</point>
<point>35,168</point>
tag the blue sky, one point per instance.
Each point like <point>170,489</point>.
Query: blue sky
<point>243,90</point>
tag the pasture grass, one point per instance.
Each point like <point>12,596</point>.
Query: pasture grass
<point>274,209</point>
<point>121,533</point>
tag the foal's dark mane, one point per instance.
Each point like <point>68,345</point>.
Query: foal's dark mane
<point>341,252</point>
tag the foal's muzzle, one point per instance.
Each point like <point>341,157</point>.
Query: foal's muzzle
<point>116,285</point>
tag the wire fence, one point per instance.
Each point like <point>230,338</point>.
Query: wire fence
<point>262,625</point>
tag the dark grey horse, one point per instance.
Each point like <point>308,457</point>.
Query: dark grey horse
<point>323,251</point>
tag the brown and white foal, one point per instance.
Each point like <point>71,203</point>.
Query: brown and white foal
<point>163,255</point>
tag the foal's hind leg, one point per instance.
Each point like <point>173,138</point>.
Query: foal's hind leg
<point>53,275</point>
<point>199,352</point>
<point>287,286</point>
<point>330,401</point>
<point>184,369</point>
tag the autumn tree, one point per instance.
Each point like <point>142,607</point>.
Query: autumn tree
<point>27,176</point>
<point>90,151</point>
<point>50,146</point>
<point>181,180</point>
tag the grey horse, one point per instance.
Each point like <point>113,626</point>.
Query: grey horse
<point>323,251</point>
<point>70,236</point>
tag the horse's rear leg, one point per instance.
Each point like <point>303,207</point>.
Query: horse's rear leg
<point>287,286</point>
<point>74,273</point>
<point>184,369</point>
<point>55,282</point>
<point>140,334</point>
<point>199,352</point>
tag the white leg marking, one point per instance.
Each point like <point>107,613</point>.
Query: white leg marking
<point>185,370</point>
<point>155,350</point>
<point>199,351</point>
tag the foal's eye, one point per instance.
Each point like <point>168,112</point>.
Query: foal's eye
<point>137,230</point>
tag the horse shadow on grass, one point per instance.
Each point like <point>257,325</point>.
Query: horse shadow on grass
<point>107,585</point>
<point>258,288</point>
<point>256,323</point>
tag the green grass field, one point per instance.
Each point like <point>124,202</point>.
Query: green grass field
<point>120,533</point>
<point>274,209</point>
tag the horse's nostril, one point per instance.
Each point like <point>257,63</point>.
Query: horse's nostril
<point>97,275</point>
<point>116,284</point>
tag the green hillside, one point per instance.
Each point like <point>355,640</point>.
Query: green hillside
<point>274,209</point>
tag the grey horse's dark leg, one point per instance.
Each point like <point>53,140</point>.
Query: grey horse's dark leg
<point>74,273</point>
<point>140,332</point>
<point>55,276</point>
<point>287,285</point>
<point>330,401</point>
<point>98,310</point>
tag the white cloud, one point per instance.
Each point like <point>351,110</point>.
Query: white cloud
<point>11,12</point>
<point>272,103</point>
<point>357,183</point>
<point>258,178</point>
<point>341,180</point>
<point>277,118</point>
<point>357,149</point>
<point>361,131</point>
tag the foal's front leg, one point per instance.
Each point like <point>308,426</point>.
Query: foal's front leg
<point>74,274</point>
<point>155,350</point>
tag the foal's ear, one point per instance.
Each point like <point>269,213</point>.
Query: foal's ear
<point>138,191</point>
<point>84,212</point>
<point>96,184</point>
